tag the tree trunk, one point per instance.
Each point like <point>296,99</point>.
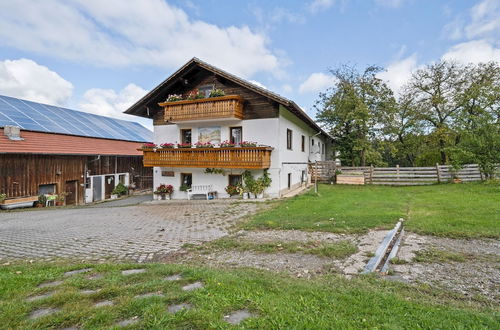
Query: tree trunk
<point>443,154</point>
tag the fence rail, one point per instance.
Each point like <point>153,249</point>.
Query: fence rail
<point>407,176</point>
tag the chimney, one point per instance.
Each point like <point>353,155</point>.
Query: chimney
<point>12,132</point>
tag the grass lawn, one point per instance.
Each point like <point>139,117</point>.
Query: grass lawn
<point>277,302</point>
<point>452,210</point>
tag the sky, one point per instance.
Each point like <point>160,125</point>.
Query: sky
<point>102,56</point>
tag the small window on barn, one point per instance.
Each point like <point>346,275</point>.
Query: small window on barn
<point>205,90</point>
<point>303,144</point>
<point>289,139</point>
<point>45,189</point>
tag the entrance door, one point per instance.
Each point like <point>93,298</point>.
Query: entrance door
<point>96,188</point>
<point>109,185</point>
<point>71,192</point>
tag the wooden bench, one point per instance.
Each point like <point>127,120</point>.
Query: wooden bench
<point>14,203</point>
<point>204,189</point>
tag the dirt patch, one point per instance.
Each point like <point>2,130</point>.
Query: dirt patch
<point>477,273</point>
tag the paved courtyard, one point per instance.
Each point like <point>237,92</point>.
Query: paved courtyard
<point>139,233</point>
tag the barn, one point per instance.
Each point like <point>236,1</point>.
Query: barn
<point>49,150</point>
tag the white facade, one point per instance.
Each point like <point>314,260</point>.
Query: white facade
<point>288,169</point>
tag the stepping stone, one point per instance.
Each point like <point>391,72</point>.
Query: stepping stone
<point>49,284</point>
<point>78,271</point>
<point>148,295</point>
<point>192,286</point>
<point>95,277</point>
<point>175,308</point>
<point>40,297</point>
<point>87,292</point>
<point>133,271</point>
<point>175,277</point>
<point>42,312</point>
<point>104,303</point>
<point>238,316</point>
<point>124,323</point>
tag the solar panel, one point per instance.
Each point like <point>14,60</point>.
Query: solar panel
<point>47,118</point>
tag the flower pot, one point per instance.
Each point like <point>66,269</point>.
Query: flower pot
<point>245,195</point>
<point>114,196</point>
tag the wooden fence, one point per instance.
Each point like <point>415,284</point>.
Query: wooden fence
<point>408,176</point>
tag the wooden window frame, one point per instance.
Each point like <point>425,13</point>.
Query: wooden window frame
<point>303,143</point>
<point>289,139</point>
<point>182,177</point>
<point>231,131</point>
<point>232,175</point>
<point>182,135</point>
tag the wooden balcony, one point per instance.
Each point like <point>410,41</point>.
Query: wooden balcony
<point>236,157</point>
<point>223,107</point>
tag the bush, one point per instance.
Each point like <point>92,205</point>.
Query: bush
<point>120,190</point>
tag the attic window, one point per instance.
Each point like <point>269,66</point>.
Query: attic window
<point>206,90</point>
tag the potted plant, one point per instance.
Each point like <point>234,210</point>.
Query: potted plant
<point>262,183</point>
<point>216,93</point>
<point>184,145</point>
<point>60,198</point>
<point>119,190</point>
<point>232,190</point>
<point>173,98</point>
<point>227,144</point>
<point>248,144</point>
<point>164,191</point>
<point>148,145</point>
<point>167,145</point>
<point>42,200</point>
<point>3,197</point>
<point>250,183</point>
<point>195,95</point>
<point>204,145</point>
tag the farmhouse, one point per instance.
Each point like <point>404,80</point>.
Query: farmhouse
<point>56,151</point>
<point>212,129</point>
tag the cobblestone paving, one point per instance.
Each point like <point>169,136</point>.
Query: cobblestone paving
<point>137,233</point>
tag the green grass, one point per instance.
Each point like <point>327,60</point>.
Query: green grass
<point>453,210</point>
<point>436,255</point>
<point>278,302</point>
<point>338,250</point>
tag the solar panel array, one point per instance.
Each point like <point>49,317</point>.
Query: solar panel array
<point>39,117</point>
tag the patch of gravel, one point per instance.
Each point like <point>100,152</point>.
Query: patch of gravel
<point>478,274</point>
<point>269,236</point>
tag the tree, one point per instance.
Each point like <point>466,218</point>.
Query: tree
<point>351,111</point>
<point>435,93</point>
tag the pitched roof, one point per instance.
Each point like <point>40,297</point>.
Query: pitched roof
<point>40,117</point>
<point>59,144</point>
<point>140,107</point>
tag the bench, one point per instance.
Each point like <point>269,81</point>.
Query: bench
<point>204,189</point>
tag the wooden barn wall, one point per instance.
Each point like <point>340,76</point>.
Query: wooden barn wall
<point>256,106</point>
<point>20,175</point>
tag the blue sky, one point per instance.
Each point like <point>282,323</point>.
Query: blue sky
<point>102,56</point>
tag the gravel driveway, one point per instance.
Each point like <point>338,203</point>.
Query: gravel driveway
<point>140,233</point>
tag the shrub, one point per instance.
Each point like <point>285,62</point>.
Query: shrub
<point>216,93</point>
<point>3,197</point>
<point>120,189</point>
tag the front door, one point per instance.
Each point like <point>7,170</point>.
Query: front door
<point>71,192</point>
<point>97,188</point>
<point>109,185</point>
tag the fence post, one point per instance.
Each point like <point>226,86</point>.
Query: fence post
<point>397,172</point>
<point>316,177</point>
<point>371,174</point>
<point>438,173</point>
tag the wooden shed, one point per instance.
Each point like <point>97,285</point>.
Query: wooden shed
<point>51,150</point>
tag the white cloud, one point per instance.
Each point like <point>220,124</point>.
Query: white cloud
<point>108,102</point>
<point>399,72</point>
<point>474,51</point>
<point>317,82</point>
<point>318,5</point>
<point>131,33</point>
<point>390,3</point>
<point>29,80</point>
<point>485,20</point>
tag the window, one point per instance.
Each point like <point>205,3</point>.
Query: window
<point>289,180</point>
<point>45,189</point>
<point>235,135</point>
<point>303,177</point>
<point>303,144</point>
<point>186,179</point>
<point>235,180</point>
<point>312,142</point>
<point>289,139</point>
<point>319,147</point>
<point>206,90</point>
<point>186,136</point>
<point>323,150</point>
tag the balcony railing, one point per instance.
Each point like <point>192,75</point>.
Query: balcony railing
<point>230,107</point>
<point>236,157</point>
